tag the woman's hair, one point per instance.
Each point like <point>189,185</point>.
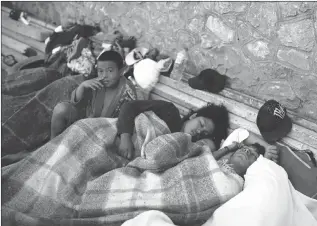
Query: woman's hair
<point>112,55</point>
<point>220,117</point>
<point>259,148</point>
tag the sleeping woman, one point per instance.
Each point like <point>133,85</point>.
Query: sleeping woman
<point>208,125</point>
<point>209,122</point>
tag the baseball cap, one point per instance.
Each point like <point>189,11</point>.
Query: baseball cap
<point>273,122</point>
<point>136,55</point>
<point>209,80</point>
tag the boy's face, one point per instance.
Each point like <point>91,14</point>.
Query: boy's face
<point>108,72</point>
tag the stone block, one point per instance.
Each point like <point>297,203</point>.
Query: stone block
<point>135,26</point>
<point>194,9</point>
<point>244,32</point>
<point>226,7</point>
<point>197,24</point>
<point>290,9</point>
<point>279,90</point>
<point>202,58</point>
<point>303,85</point>
<point>219,28</point>
<point>298,34</point>
<point>259,49</point>
<point>294,57</point>
<point>156,9</point>
<point>263,16</point>
<point>268,71</point>
<point>175,20</point>
<point>309,109</point>
<point>186,38</point>
<point>209,40</point>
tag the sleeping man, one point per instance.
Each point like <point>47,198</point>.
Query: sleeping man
<point>241,155</point>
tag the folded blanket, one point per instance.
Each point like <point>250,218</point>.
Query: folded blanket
<point>26,113</point>
<point>79,179</point>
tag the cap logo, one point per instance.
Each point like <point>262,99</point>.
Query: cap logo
<point>279,112</point>
<point>137,55</point>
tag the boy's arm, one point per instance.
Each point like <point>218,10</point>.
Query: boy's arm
<point>163,109</point>
<point>80,97</point>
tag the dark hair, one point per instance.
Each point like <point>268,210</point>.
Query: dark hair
<point>259,148</point>
<point>220,117</point>
<point>112,55</point>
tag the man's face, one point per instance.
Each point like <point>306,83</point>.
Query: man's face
<point>243,158</point>
<point>108,72</point>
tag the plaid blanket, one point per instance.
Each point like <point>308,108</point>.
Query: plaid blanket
<point>28,101</point>
<point>79,179</point>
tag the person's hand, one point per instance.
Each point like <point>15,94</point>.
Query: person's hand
<point>126,148</point>
<point>93,84</point>
<point>235,146</point>
<point>272,153</point>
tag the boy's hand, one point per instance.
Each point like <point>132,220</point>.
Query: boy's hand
<point>272,153</point>
<point>126,148</point>
<point>92,84</point>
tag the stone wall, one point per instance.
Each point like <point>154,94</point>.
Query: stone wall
<point>268,49</point>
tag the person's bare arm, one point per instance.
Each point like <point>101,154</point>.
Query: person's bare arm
<point>224,151</point>
<point>254,138</point>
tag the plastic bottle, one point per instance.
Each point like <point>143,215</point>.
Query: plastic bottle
<point>179,65</point>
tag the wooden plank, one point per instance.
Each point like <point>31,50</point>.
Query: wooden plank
<point>27,30</point>
<point>257,103</point>
<point>40,46</point>
<point>8,51</point>
<point>13,44</point>
<point>298,132</point>
<point>16,45</point>
<point>186,100</point>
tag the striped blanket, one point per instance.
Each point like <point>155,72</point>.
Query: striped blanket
<point>79,179</point>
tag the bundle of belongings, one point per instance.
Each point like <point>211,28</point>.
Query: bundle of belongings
<point>208,80</point>
<point>79,179</point>
<point>145,67</point>
<point>72,45</point>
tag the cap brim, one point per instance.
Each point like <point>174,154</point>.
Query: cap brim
<point>196,83</point>
<point>278,133</point>
<point>130,60</point>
